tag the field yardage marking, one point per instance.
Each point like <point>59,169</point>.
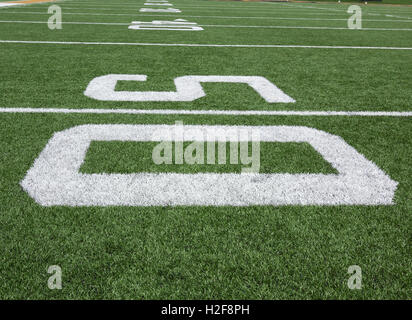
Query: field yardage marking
<point>168,10</point>
<point>55,180</point>
<point>188,88</point>
<point>162,25</point>
<point>213,112</point>
<point>200,45</point>
<point>157,4</point>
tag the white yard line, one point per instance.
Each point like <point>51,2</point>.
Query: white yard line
<point>381,13</point>
<point>211,112</point>
<point>68,22</point>
<point>191,16</point>
<point>292,8</point>
<point>396,16</point>
<point>117,10</point>
<point>132,6</point>
<point>243,5</point>
<point>289,5</point>
<point>202,45</point>
<point>305,27</point>
<point>280,8</point>
<point>240,5</point>
<point>213,25</point>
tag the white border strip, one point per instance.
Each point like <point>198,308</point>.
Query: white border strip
<point>201,45</point>
<point>211,112</point>
<point>10,4</point>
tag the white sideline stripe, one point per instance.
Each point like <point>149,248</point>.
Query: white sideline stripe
<point>201,45</point>
<point>11,4</point>
<point>212,112</point>
<point>213,25</point>
<point>3,5</point>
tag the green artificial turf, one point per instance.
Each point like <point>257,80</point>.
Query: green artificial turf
<point>206,252</point>
<point>258,252</point>
<point>402,2</point>
<point>115,157</point>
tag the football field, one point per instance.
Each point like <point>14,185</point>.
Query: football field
<point>80,187</point>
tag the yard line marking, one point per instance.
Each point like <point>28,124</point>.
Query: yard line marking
<point>132,6</point>
<point>285,7</point>
<point>302,27</point>
<point>192,16</point>
<point>212,112</point>
<point>255,11</point>
<point>201,45</point>
<point>160,10</point>
<point>396,16</point>
<point>213,25</point>
<point>337,10</point>
<point>67,22</point>
<point>311,7</point>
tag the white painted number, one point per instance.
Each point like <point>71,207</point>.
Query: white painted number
<point>177,25</point>
<point>157,4</point>
<point>54,179</point>
<point>170,10</point>
<point>188,88</point>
